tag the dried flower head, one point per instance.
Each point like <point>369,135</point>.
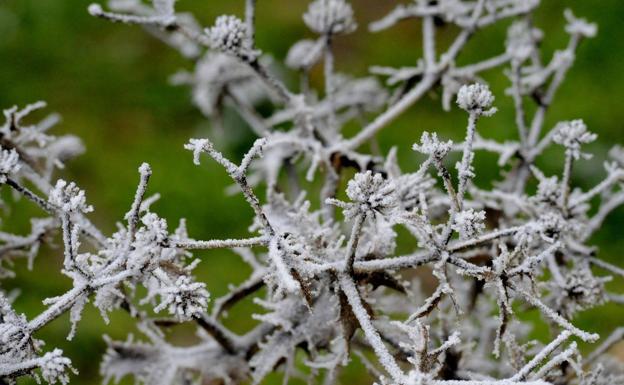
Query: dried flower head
<point>183,298</point>
<point>69,198</point>
<point>372,192</point>
<point>469,223</point>
<point>572,135</point>
<point>521,40</point>
<point>549,190</point>
<point>476,98</point>
<point>229,34</point>
<point>330,17</point>
<point>580,291</point>
<point>431,145</point>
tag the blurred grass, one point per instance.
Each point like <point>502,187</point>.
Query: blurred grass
<point>109,82</point>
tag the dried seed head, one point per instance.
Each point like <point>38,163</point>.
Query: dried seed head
<point>330,17</point>
<point>230,35</point>
<point>476,98</point>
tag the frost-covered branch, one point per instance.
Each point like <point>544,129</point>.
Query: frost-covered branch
<point>417,269</point>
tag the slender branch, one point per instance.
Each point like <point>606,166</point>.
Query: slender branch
<point>222,243</point>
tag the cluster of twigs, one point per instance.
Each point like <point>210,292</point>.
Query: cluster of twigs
<point>329,264</point>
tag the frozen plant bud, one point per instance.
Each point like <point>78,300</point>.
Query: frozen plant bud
<point>184,298</point>
<point>476,98</point>
<point>372,191</point>
<point>303,54</point>
<point>521,39</point>
<point>430,145</point>
<point>572,135</point>
<point>469,223</point>
<point>330,17</point>
<point>577,26</point>
<point>549,190</point>
<point>8,163</point>
<point>229,34</point>
<point>54,367</point>
<point>95,9</point>
<point>617,154</point>
<point>581,291</point>
<point>69,198</point>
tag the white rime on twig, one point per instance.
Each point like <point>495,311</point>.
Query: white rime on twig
<point>325,236</point>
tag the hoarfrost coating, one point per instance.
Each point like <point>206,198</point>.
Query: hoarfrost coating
<point>336,288</point>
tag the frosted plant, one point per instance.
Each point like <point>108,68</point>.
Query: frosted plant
<point>229,34</point>
<point>323,239</point>
<point>330,17</point>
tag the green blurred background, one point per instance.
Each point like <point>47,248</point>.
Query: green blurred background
<point>110,84</point>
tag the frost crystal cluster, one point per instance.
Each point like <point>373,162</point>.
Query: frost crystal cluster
<point>324,236</point>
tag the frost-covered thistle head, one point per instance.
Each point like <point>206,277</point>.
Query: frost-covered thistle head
<point>183,298</point>
<point>469,223</point>
<point>330,17</point>
<point>548,189</point>
<point>572,135</point>
<point>372,192</point>
<point>521,40</point>
<point>230,35</point>
<point>579,291</point>
<point>69,197</point>
<point>476,98</point>
<point>9,163</point>
<point>432,146</point>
